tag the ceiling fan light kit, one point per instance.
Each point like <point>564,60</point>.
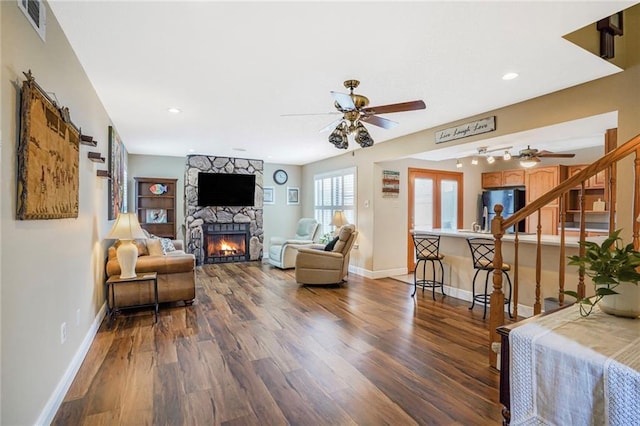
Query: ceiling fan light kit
<point>529,157</point>
<point>529,162</point>
<point>355,110</point>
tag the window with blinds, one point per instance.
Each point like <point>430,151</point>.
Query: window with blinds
<point>334,191</point>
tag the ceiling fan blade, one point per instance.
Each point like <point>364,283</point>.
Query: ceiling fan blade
<point>379,121</point>
<point>386,109</point>
<point>344,100</point>
<point>547,154</point>
<point>331,125</point>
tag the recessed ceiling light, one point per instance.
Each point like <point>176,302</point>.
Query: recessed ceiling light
<point>510,76</point>
<point>192,150</point>
<point>239,149</point>
<point>174,110</point>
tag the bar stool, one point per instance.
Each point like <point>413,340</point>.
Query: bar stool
<point>482,251</point>
<point>428,250</point>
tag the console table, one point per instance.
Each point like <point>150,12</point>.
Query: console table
<point>115,279</point>
<point>562,368</point>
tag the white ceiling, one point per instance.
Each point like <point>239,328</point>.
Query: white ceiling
<point>234,68</point>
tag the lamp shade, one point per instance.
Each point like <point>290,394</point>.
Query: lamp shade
<point>339,219</point>
<point>126,227</point>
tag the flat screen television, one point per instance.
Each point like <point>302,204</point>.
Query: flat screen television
<point>226,189</point>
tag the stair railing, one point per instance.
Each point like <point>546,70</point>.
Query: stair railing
<point>499,225</point>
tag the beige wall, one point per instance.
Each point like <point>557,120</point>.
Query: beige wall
<point>619,92</point>
<point>280,219</point>
<point>50,269</point>
<point>160,167</point>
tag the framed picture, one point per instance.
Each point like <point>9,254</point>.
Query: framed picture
<point>48,158</point>
<point>156,216</point>
<point>268,195</point>
<point>118,172</point>
<point>293,195</point>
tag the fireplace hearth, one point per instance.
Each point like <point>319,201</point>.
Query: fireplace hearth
<point>226,242</point>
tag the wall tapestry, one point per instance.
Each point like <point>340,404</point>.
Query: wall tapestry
<point>118,172</point>
<point>48,157</point>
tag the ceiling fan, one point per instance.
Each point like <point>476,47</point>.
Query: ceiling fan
<point>529,157</point>
<point>355,111</point>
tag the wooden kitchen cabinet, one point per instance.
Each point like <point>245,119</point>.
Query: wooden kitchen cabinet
<point>539,181</point>
<point>548,220</point>
<point>513,177</point>
<point>598,181</point>
<point>505,178</point>
<point>491,180</point>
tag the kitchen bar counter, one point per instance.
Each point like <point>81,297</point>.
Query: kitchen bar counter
<point>459,270</point>
<point>524,238</point>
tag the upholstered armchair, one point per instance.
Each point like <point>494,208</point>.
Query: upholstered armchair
<point>318,266</point>
<point>283,251</point>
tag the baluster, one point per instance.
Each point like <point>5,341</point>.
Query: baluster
<point>496,301</point>
<point>537,307</point>
<point>562,261</point>
<point>516,266</point>
<point>636,201</point>
<point>583,219</point>
<point>610,143</point>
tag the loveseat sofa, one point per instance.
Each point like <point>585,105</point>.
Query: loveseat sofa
<point>176,275</point>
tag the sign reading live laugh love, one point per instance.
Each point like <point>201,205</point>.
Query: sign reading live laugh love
<point>469,129</point>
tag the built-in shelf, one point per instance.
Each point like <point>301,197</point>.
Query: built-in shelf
<point>156,205</point>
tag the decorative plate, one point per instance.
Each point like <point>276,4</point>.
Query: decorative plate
<point>158,189</point>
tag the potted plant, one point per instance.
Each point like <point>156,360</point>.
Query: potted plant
<point>613,268</point>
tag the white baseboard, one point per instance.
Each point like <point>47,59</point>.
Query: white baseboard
<point>374,275</point>
<point>55,400</point>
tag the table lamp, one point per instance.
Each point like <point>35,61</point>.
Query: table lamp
<point>339,220</point>
<point>126,229</point>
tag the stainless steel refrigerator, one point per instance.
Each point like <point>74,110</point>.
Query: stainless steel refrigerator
<point>511,199</point>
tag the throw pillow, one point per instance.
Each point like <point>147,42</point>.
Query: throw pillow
<point>167,245</point>
<point>331,244</point>
<point>155,248</point>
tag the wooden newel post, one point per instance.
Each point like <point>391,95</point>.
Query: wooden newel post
<point>496,313</point>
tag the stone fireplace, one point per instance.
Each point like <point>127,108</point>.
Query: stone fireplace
<point>223,234</point>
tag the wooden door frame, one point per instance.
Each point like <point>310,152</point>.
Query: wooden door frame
<point>437,176</point>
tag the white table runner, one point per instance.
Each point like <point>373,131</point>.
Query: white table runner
<point>570,370</point>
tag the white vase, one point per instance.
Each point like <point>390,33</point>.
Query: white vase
<point>624,304</point>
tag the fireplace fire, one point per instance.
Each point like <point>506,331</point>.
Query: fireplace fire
<point>226,243</point>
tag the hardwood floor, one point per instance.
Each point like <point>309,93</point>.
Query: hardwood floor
<point>256,348</point>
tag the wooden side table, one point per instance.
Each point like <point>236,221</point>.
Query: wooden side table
<point>113,280</point>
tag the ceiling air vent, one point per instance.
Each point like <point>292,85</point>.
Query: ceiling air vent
<point>34,10</point>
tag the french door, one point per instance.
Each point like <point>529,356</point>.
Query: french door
<point>435,202</point>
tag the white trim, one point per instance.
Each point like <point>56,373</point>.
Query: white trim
<point>55,400</point>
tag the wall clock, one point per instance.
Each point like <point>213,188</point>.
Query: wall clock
<point>280,177</point>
